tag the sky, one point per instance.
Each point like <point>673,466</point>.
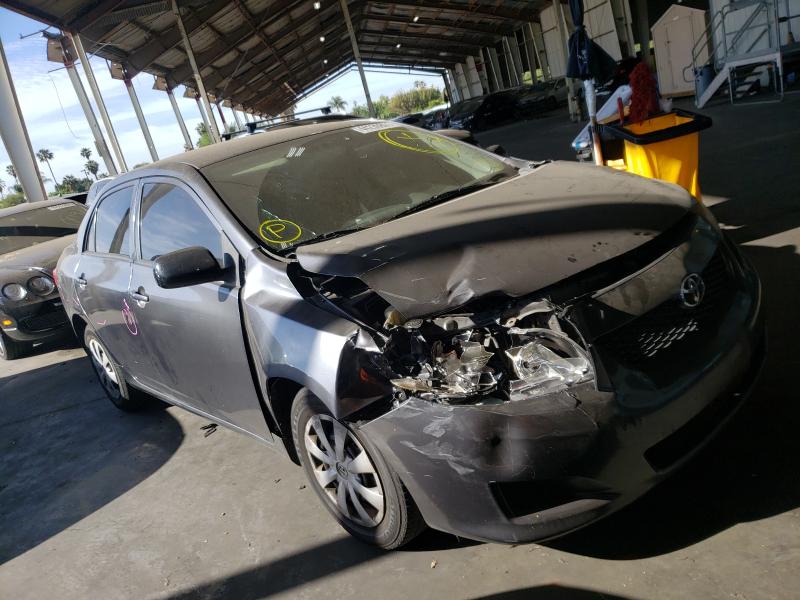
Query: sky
<point>55,120</point>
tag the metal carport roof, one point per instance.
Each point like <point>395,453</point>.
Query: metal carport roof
<point>263,54</point>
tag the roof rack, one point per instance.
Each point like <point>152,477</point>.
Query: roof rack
<point>294,120</point>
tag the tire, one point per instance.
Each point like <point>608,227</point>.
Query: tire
<point>552,103</point>
<point>110,376</point>
<point>395,520</point>
<point>12,349</point>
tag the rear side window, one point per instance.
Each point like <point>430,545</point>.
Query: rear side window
<point>110,230</point>
<point>172,220</point>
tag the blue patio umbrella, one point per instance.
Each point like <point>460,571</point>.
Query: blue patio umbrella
<point>590,63</point>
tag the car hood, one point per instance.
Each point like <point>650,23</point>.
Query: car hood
<point>38,256</point>
<point>513,238</point>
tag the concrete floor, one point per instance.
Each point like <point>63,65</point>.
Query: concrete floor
<point>95,503</point>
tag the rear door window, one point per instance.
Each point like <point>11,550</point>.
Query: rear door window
<point>110,229</point>
<point>172,220</point>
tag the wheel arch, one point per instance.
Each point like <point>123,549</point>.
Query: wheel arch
<point>281,393</point>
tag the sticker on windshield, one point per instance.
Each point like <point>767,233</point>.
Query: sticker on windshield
<point>408,139</point>
<point>373,127</point>
<point>279,231</point>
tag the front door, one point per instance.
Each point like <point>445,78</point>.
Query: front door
<point>193,336</point>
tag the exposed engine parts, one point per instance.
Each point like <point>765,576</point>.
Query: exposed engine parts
<point>461,358</point>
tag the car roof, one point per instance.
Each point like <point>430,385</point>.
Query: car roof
<point>209,155</point>
<point>26,206</point>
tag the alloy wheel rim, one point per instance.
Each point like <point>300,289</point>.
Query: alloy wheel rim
<point>105,370</point>
<point>344,471</point>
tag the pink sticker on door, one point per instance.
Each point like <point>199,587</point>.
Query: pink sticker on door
<point>130,319</point>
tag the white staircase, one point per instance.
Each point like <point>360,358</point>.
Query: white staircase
<point>744,35</point>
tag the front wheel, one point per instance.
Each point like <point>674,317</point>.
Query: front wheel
<point>110,376</point>
<point>351,477</point>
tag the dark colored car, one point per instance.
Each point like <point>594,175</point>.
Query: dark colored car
<point>484,112</point>
<point>498,349</point>
<point>32,237</point>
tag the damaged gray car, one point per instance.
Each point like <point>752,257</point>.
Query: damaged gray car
<point>495,348</point>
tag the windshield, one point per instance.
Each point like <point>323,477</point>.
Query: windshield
<point>23,229</point>
<point>346,179</point>
<point>466,107</point>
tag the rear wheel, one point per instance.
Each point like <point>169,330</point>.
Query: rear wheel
<point>351,477</point>
<point>11,349</point>
<point>110,376</point>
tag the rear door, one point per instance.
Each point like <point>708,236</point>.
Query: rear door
<point>104,271</point>
<point>193,336</point>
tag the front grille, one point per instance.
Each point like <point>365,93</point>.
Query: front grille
<point>42,321</point>
<point>670,325</point>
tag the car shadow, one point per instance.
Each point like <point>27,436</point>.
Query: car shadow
<point>551,592</point>
<point>65,451</point>
<point>749,472</point>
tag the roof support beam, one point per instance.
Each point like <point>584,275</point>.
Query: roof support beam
<point>485,10</point>
<point>248,16</point>
<point>460,25</point>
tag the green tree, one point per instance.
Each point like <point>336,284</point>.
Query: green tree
<point>205,137</point>
<point>13,172</point>
<point>45,156</point>
<point>417,99</point>
<point>71,184</point>
<point>86,153</point>
<point>2,190</point>
<point>359,110</point>
<point>337,103</point>
<point>93,167</point>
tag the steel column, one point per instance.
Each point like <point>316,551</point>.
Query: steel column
<point>140,117</point>
<point>181,123</point>
<point>574,109</point>
<point>213,132</point>
<point>98,99</point>
<point>83,100</point>
<point>643,29</point>
<point>15,136</point>
<point>222,117</point>
<point>236,118</point>
<point>356,54</point>
<point>203,116</point>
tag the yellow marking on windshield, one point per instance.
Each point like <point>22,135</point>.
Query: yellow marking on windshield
<point>414,141</point>
<point>279,231</point>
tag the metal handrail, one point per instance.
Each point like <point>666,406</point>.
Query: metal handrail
<point>719,47</point>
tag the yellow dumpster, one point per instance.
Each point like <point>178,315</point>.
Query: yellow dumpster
<point>664,147</point>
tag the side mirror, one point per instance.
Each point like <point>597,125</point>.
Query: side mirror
<point>185,267</point>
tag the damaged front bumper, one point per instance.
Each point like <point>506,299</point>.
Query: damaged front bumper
<point>529,470</point>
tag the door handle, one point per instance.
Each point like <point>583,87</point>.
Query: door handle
<point>139,296</point>
<point>81,280</point>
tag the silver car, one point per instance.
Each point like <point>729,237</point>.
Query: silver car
<point>499,349</point>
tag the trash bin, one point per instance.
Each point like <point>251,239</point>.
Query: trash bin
<point>664,147</point>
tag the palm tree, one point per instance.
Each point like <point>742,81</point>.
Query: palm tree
<point>44,155</point>
<point>86,153</point>
<point>92,167</point>
<point>337,103</point>
<point>2,190</point>
<point>12,171</point>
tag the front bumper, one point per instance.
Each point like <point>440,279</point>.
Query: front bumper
<point>35,321</point>
<point>531,470</point>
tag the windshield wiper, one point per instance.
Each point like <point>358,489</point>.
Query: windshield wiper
<point>450,194</point>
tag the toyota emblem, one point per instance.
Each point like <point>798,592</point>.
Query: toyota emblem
<point>693,288</point>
